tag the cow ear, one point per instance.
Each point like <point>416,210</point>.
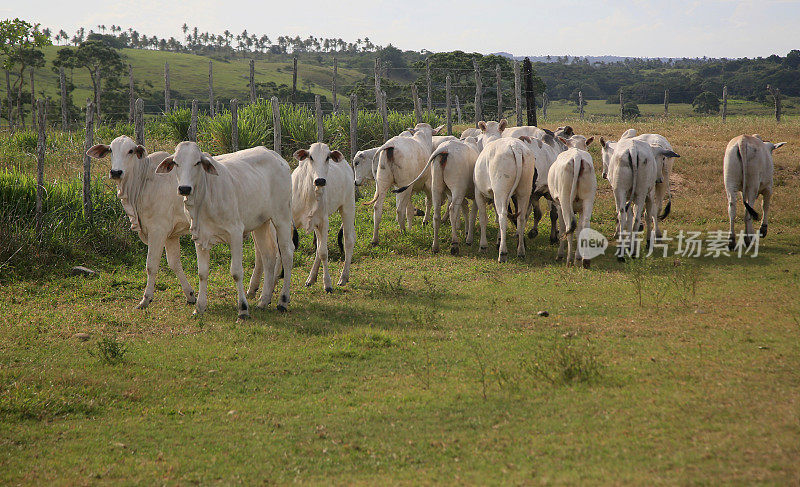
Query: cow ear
<point>563,141</point>
<point>525,139</point>
<point>337,156</point>
<point>779,145</point>
<point>482,126</point>
<point>589,141</point>
<point>140,151</point>
<point>503,124</point>
<point>208,165</point>
<point>166,165</point>
<point>438,129</point>
<point>568,131</point>
<point>300,154</point>
<point>98,151</point>
<point>603,142</point>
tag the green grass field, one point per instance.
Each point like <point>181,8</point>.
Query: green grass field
<point>425,369</point>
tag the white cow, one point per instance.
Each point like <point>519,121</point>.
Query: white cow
<point>229,196</point>
<point>365,165</point>
<point>400,160</point>
<point>154,209</point>
<point>572,184</point>
<point>630,167</point>
<point>665,159</point>
<point>748,167</point>
<point>321,185</point>
<point>504,169</point>
<point>470,132</point>
<point>453,175</point>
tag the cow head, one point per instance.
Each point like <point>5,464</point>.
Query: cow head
<point>577,142</point>
<point>318,157</point>
<point>362,166</point>
<point>191,166</point>
<point>607,152</point>
<point>566,131</point>
<point>490,131</point>
<point>769,145</point>
<point>126,155</point>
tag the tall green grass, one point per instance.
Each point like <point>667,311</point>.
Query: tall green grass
<point>66,237</point>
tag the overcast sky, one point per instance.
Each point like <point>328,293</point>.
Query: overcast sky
<point>641,28</point>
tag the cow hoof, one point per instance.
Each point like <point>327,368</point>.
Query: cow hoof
<point>282,308</point>
<point>763,231</point>
<point>533,233</point>
<point>454,250</point>
<point>243,317</point>
<point>310,283</point>
<point>747,240</point>
<point>144,303</point>
<point>620,259</point>
<point>328,289</point>
<point>520,255</point>
<point>262,306</point>
<point>424,223</point>
<point>419,212</point>
<point>659,180</point>
<point>191,298</point>
<point>197,313</point>
<point>731,243</point>
<point>587,263</point>
<point>502,257</point>
<point>483,249</point>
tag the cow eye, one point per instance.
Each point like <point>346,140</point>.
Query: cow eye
<point>130,151</point>
<point>310,158</point>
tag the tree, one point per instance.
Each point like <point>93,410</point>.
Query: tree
<point>101,60</point>
<point>706,102</point>
<point>19,45</point>
<point>630,111</point>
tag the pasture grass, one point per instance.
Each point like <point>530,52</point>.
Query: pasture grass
<point>427,369</point>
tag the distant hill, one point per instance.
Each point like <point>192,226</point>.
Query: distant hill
<point>592,59</point>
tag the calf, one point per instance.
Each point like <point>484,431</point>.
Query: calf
<point>321,185</point>
<point>154,209</point>
<point>504,169</point>
<point>748,167</point>
<point>452,175</point>
<point>229,196</point>
<point>630,167</point>
<point>400,160</point>
<point>572,184</point>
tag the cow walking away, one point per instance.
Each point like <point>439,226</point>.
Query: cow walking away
<point>573,187</point>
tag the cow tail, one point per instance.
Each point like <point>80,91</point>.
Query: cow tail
<point>339,239</point>
<point>577,163</point>
<point>742,148</point>
<point>634,173</point>
<point>389,157</point>
<point>431,159</point>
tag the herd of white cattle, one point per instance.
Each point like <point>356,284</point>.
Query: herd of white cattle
<point>221,199</point>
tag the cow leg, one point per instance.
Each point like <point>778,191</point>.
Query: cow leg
<point>283,231</point>
<point>522,220</point>
<point>312,276</point>
<point>349,226</point>
<point>562,229</point>
<point>456,205</point>
<point>437,219</point>
<point>732,218</point>
<point>258,269</point>
<point>501,206</point>
<point>173,248</point>
<point>748,220</point>
<point>428,205</point>
<point>553,223</point>
<point>237,273</point>
<point>661,191</point>
<point>405,210</point>
<point>154,249</point>
<point>584,222</point>
<point>481,204</point>
<point>203,259</point>
<point>638,212</point>
<point>322,254</point>
<point>653,232</point>
<point>377,212</point>
<point>767,196</point>
<point>264,239</point>
<point>537,215</point>
<point>473,212</point>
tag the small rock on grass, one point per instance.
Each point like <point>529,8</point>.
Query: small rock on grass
<point>82,336</point>
<point>80,270</point>
<point>699,311</point>
<point>543,314</point>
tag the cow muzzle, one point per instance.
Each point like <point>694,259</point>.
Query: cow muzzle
<point>115,174</point>
<point>184,190</point>
<point>320,182</point>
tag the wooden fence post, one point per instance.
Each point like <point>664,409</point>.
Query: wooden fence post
<point>174,105</point>
<point>517,93</point>
<point>167,102</point>
<point>666,102</point>
<point>87,162</point>
<point>62,81</point>
<point>139,121</point>
<point>34,107</point>
<point>318,110</point>
<point>621,106</point>
<point>417,107</point>
<point>333,88</point>
<point>499,92</point>
<point>545,103</point>
<point>294,79</point>
<point>428,81</point>
<point>580,104</point>
<point>234,125</point>
<point>449,115</point>
<point>384,116</point>
<point>724,103</point>
<point>276,124</point>
<point>378,83</point>
<point>530,96</point>
<point>353,125</point>
<point>40,148</point>
<point>9,103</point>
<point>458,110</point>
<point>252,81</point>
<point>776,96</point>
<point>131,97</point>
<point>478,93</point>
<point>211,88</point>
<point>193,122</point>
